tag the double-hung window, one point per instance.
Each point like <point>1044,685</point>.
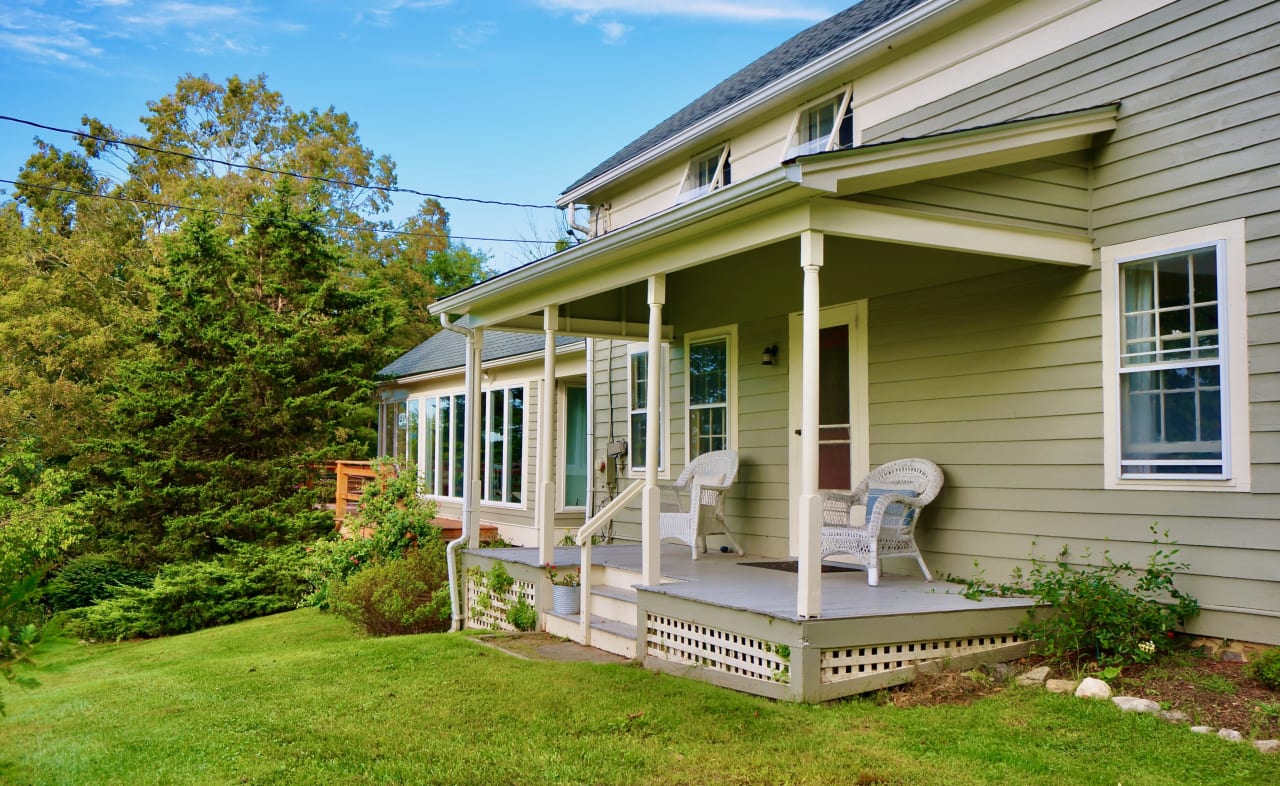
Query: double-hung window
<point>710,384</point>
<point>707,172</point>
<point>646,387</point>
<point>1175,380</point>
<point>824,125</point>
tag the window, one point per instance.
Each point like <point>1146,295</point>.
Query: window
<point>707,172</point>
<point>398,439</point>
<point>825,125</point>
<point>644,386</point>
<point>711,376</point>
<point>1175,365</point>
<point>502,412</point>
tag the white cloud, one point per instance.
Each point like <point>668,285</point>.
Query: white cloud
<point>741,11</point>
<point>614,32</point>
<point>165,15</point>
<point>473,35</point>
<point>45,37</point>
<point>381,14</point>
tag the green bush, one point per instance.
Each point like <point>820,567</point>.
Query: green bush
<point>398,596</point>
<point>399,519</point>
<point>250,581</point>
<point>1265,668</point>
<point>522,615</point>
<point>90,578</point>
<point>1113,613</point>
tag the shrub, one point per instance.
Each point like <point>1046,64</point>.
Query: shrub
<point>249,581</point>
<point>1113,612</point>
<point>90,578</point>
<point>522,615</point>
<point>1265,668</point>
<point>399,596</point>
<point>399,520</point>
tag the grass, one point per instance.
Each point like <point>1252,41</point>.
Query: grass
<point>300,699</point>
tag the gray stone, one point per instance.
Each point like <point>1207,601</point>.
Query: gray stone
<point>1093,688</point>
<point>1203,729</point>
<point>1230,734</point>
<point>1267,746</point>
<point>1233,657</point>
<point>1134,704</point>
<point>1033,678</point>
<point>1000,672</point>
<point>1061,686</point>
<point>1173,716</point>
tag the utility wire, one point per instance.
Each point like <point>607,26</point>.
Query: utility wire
<point>367,227</point>
<point>268,170</point>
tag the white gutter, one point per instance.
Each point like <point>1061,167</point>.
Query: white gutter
<point>450,551</point>
<point>677,217</point>
<point>869,43</point>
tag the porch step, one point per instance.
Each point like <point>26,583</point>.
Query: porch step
<point>614,603</point>
<point>606,634</point>
<point>609,575</point>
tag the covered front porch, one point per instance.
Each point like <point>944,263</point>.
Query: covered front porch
<point>730,619</point>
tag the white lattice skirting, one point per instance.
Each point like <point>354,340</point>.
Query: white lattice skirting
<point>678,641</point>
<point>487,610</point>
<point>847,663</point>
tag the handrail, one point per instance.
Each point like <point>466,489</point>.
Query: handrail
<point>583,540</point>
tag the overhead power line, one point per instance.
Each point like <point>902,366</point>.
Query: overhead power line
<point>229,214</point>
<point>268,170</point>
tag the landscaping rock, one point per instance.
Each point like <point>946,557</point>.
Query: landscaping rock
<point>1093,688</point>
<point>1267,746</point>
<point>1000,672</point>
<point>1203,729</point>
<point>1034,677</point>
<point>1061,686</point>
<point>1134,704</point>
<point>1233,657</point>
<point>1173,716</point>
<point>1230,734</point>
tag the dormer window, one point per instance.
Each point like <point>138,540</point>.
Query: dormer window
<point>824,125</point>
<point>707,172</point>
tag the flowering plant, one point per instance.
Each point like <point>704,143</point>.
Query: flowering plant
<point>568,578</point>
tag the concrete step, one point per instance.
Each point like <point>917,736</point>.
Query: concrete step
<point>613,576</point>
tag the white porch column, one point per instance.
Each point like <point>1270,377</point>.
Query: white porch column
<point>809,584</point>
<point>472,443</point>
<point>651,568</point>
<point>545,510</point>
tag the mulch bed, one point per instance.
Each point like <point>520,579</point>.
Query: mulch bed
<point>1211,692</point>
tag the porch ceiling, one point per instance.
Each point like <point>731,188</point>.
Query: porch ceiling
<point>783,204</point>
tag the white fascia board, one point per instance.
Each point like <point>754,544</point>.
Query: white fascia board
<point>719,201</point>
<point>868,44</point>
<point>510,360</point>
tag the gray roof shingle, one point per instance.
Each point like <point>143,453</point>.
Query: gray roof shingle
<point>448,350</point>
<point>799,50</point>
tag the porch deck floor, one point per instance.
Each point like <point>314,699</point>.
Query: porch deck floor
<point>719,579</point>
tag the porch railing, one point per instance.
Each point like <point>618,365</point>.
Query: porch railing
<point>588,530</point>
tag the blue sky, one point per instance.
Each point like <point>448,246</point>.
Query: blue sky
<point>508,100</point>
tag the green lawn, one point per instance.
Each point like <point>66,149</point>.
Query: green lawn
<point>300,699</point>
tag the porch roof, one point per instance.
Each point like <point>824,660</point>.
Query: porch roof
<point>795,198</point>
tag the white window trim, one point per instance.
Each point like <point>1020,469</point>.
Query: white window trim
<point>664,421</point>
<point>730,334</point>
<point>523,504</point>
<point>1233,352</point>
<point>437,442</point>
<point>845,97</point>
<point>688,192</point>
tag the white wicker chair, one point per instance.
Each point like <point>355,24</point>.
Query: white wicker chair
<point>889,527</point>
<point>706,479</point>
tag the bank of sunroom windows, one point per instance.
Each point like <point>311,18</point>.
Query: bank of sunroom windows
<point>428,431</point>
<point>1176,371</point>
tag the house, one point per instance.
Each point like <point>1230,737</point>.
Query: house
<point>1034,241</point>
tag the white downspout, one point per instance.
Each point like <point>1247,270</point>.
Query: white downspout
<point>472,377</point>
